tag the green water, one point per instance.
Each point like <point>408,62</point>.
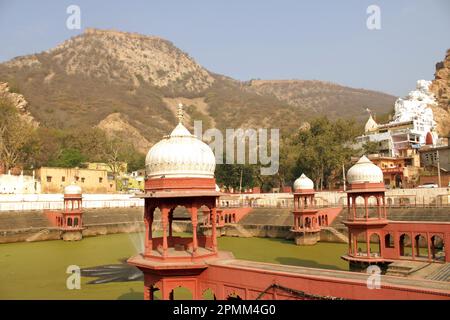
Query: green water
<point>37,270</point>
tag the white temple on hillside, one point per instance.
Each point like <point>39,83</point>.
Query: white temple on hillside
<point>407,131</point>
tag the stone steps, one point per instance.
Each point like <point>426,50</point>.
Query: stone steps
<point>337,233</point>
<point>442,274</point>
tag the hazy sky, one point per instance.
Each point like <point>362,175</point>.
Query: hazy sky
<point>267,39</point>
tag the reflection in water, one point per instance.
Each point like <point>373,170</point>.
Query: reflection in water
<point>113,273</point>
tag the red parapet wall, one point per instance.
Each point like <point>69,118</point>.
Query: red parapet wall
<point>180,184</point>
<point>251,280</point>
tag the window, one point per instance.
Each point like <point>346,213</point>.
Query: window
<point>49,179</point>
<point>63,178</point>
<point>77,178</point>
<point>82,179</point>
<point>100,180</point>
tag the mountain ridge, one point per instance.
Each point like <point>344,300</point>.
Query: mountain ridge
<point>85,79</point>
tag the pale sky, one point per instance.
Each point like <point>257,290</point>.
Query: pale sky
<point>267,39</point>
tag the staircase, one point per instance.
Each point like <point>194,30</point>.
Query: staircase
<point>37,235</point>
<point>342,237</point>
<point>405,268</point>
<point>442,274</point>
<point>240,231</point>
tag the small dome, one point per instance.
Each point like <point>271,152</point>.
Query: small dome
<point>371,125</point>
<point>364,171</point>
<point>72,189</point>
<point>303,183</point>
<point>180,155</point>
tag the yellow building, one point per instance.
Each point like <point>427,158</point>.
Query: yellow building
<point>122,167</point>
<point>398,171</point>
<point>53,180</point>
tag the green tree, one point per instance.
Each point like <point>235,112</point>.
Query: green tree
<point>370,147</point>
<point>69,158</point>
<point>16,136</point>
<point>323,149</point>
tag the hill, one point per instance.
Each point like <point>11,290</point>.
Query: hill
<point>124,82</point>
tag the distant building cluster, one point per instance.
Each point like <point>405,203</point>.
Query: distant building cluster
<point>94,177</point>
<point>409,151</point>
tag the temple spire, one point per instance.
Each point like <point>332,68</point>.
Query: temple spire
<point>180,113</point>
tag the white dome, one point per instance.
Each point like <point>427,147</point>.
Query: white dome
<point>72,189</point>
<point>180,154</point>
<point>303,183</point>
<point>364,171</point>
<point>371,125</point>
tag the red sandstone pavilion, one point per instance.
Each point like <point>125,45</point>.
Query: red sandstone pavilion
<point>70,219</point>
<point>180,172</point>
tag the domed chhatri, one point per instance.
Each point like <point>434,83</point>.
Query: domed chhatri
<point>371,125</point>
<point>364,171</point>
<point>72,189</point>
<point>180,155</point>
<point>303,183</point>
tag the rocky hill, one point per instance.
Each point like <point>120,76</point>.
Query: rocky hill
<point>125,82</point>
<point>324,97</point>
<point>17,100</point>
<point>440,86</point>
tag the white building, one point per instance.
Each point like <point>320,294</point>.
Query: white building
<point>12,184</point>
<point>412,121</point>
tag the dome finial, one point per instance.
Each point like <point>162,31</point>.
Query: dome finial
<point>180,113</point>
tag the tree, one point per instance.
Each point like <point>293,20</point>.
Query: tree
<point>229,175</point>
<point>370,147</point>
<point>15,136</point>
<point>323,149</point>
<point>69,158</point>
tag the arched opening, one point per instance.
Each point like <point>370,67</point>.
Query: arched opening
<point>307,223</point>
<point>389,241</point>
<point>75,222</point>
<point>437,248</point>
<point>373,207</point>
<point>326,220</point>
<point>421,246</point>
<point>180,293</point>
<point>405,245</point>
<point>69,222</point>
<point>361,244</point>
<point>320,220</point>
<point>233,296</point>
<point>208,294</point>
<point>375,245</point>
<point>360,208</point>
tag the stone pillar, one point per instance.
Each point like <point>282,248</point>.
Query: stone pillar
<point>379,206</point>
<point>366,206</point>
<point>214,231</point>
<point>170,222</point>
<point>194,229</point>
<point>428,246</point>
<point>349,243</point>
<point>367,241</point>
<point>164,218</point>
